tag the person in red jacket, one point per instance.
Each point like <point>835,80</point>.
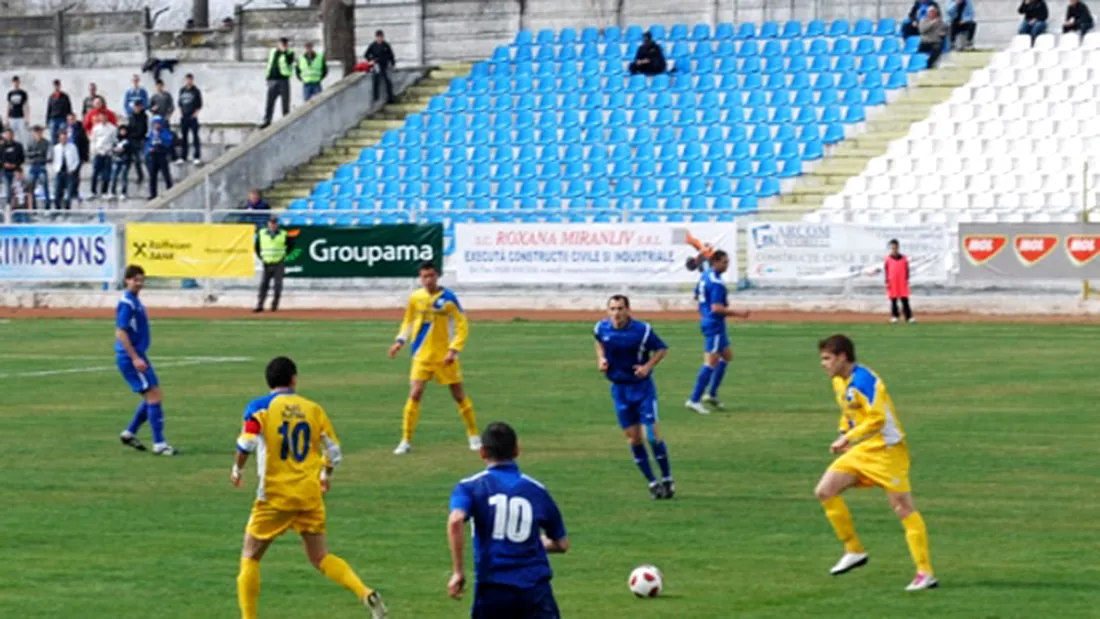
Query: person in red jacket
<point>897,282</point>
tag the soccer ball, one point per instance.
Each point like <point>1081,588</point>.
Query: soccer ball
<point>646,581</point>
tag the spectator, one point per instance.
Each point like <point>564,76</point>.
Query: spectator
<point>79,137</point>
<point>122,156</point>
<point>280,62</point>
<point>58,108</point>
<point>381,57</point>
<point>312,70</point>
<point>103,138</point>
<point>911,26</point>
<point>649,60</point>
<point>38,155</point>
<point>133,94</point>
<point>99,108</point>
<point>89,101</point>
<point>897,282</point>
<point>272,246</point>
<point>933,33</point>
<point>256,201</point>
<point>12,158</point>
<point>960,13</point>
<point>190,101</point>
<point>138,130</point>
<point>19,108</point>
<point>1078,19</point>
<point>22,197</point>
<point>162,103</point>
<point>66,167</point>
<point>1035,18</point>
<point>158,150</point>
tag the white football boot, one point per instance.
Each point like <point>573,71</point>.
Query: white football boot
<point>922,582</point>
<point>403,448</point>
<point>475,443</point>
<point>849,562</point>
<point>376,605</point>
<point>697,407</point>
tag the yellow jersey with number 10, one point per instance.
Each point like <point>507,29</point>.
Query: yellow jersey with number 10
<point>867,415</point>
<point>434,323</point>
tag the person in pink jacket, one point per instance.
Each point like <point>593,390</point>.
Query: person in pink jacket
<point>897,282</point>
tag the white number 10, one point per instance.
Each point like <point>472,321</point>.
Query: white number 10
<point>512,518</point>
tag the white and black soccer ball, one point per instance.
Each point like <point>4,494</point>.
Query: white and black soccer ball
<point>646,581</point>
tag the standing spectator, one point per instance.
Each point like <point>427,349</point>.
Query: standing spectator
<point>911,26</point>
<point>38,155</point>
<point>1035,18</point>
<point>122,155</point>
<point>312,70</point>
<point>22,198</point>
<point>134,94</point>
<point>272,246</point>
<point>12,158</point>
<point>19,108</point>
<point>58,108</point>
<point>960,14</point>
<point>897,282</point>
<point>89,101</point>
<point>258,209</point>
<point>380,54</point>
<point>79,137</point>
<point>158,151</point>
<point>99,108</point>
<point>138,130</point>
<point>161,103</point>
<point>649,60</point>
<point>280,62</point>
<point>933,33</point>
<point>103,138</point>
<point>190,101</point>
<point>1078,19</point>
<point>66,167</point>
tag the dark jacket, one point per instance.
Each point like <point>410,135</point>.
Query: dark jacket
<point>262,205</point>
<point>78,136</point>
<point>652,52</point>
<point>274,73</point>
<point>1080,15</point>
<point>920,9</point>
<point>1036,10</point>
<point>123,150</point>
<point>89,103</point>
<point>160,137</point>
<point>138,127</point>
<point>161,104</point>
<point>381,54</point>
<point>38,151</point>
<point>59,106</point>
<point>11,155</point>
<point>190,100</point>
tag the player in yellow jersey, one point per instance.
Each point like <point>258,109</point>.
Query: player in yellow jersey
<point>296,451</point>
<point>437,327</point>
<point>873,452</point>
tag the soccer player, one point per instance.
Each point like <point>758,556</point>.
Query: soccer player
<point>438,327</point>
<point>516,522</point>
<point>131,344</point>
<point>897,282</point>
<point>627,351</point>
<point>873,452</point>
<point>296,451</point>
<point>712,297</point>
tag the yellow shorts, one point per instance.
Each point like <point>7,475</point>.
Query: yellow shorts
<point>886,468</point>
<point>443,374</point>
<point>267,522</point>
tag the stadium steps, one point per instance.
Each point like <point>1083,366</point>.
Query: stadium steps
<point>850,157</point>
<point>299,183</point>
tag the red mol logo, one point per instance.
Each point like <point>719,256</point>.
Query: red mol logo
<point>1082,248</point>
<point>1031,248</point>
<point>981,248</point>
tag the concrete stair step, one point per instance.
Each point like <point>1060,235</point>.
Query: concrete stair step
<point>353,143</point>
<point>328,161</point>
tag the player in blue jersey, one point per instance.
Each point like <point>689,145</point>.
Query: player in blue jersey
<point>131,344</point>
<point>627,350</point>
<point>713,301</point>
<point>509,510</point>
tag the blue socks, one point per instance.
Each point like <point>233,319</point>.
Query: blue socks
<point>140,415</point>
<point>701,383</point>
<point>660,452</point>
<point>156,422</point>
<point>719,374</point>
<point>641,458</point>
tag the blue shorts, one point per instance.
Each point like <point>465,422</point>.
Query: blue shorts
<point>504,602</point>
<point>715,341</point>
<point>635,403</point>
<point>140,382</point>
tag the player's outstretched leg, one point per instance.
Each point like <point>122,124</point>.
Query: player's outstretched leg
<point>338,571</point>
<point>156,423</point>
<point>466,411</point>
<point>128,438</point>
<point>828,492</point>
<point>248,588</point>
<point>916,536</point>
<point>702,380</point>
<point>641,460</point>
<point>410,416</point>
<point>711,399</point>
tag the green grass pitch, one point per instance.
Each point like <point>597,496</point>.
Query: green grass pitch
<point>1002,421</point>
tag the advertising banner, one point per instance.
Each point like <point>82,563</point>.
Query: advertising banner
<point>1029,251</point>
<point>606,253</point>
<point>58,253</point>
<point>826,252</point>
<point>376,251</point>
<point>192,250</point>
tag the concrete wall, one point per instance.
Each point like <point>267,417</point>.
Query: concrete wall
<point>268,155</point>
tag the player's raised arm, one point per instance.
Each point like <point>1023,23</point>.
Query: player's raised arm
<point>405,331</point>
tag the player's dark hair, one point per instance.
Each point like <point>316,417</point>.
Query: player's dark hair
<point>719,255</point>
<point>620,297</point>
<point>894,242</point>
<point>280,372</point>
<point>428,265</point>
<point>839,345</point>
<point>133,271</point>
<point>499,441</point>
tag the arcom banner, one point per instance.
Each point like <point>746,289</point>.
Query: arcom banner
<point>192,250</point>
<point>58,253</point>
<point>605,253</point>
<point>1029,251</point>
<point>376,251</point>
<point>807,253</point>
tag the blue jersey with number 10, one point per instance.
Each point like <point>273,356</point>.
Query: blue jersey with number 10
<point>711,291</point>
<point>509,509</point>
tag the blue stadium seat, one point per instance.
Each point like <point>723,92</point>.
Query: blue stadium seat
<point>657,31</point>
<point>917,62</point>
<point>821,64</point>
<point>590,34</point>
<point>841,47</point>
<point>678,32</point>
<point>795,48</point>
<point>612,34</point>
<point>769,188</point>
<point>838,28</point>
<point>567,36</point>
<point>834,133</point>
<point>875,96</point>
<point>889,45</point>
<point>633,33</point>
<point>748,49</point>
<point>815,28</point>
<point>724,31</point>
<point>897,79</point>
<point>792,30</point>
<point>855,114</point>
<point>745,187</point>
<point>887,27</point>
<point>747,31</point>
<point>700,32</point>
<point>912,44</point>
<point>863,28</point>
<point>769,30</point>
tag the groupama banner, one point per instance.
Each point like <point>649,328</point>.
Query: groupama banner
<point>58,253</point>
<point>1029,251</point>
<point>376,251</point>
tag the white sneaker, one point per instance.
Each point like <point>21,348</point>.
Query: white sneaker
<point>164,449</point>
<point>894,319</point>
<point>697,407</point>
<point>376,605</point>
<point>475,443</point>
<point>849,562</point>
<point>713,402</point>
<point>403,448</point>
<point>922,582</point>
<point>912,321</point>
<point>196,161</point>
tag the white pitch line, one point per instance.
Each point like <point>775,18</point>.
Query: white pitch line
<point>102,368</point>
